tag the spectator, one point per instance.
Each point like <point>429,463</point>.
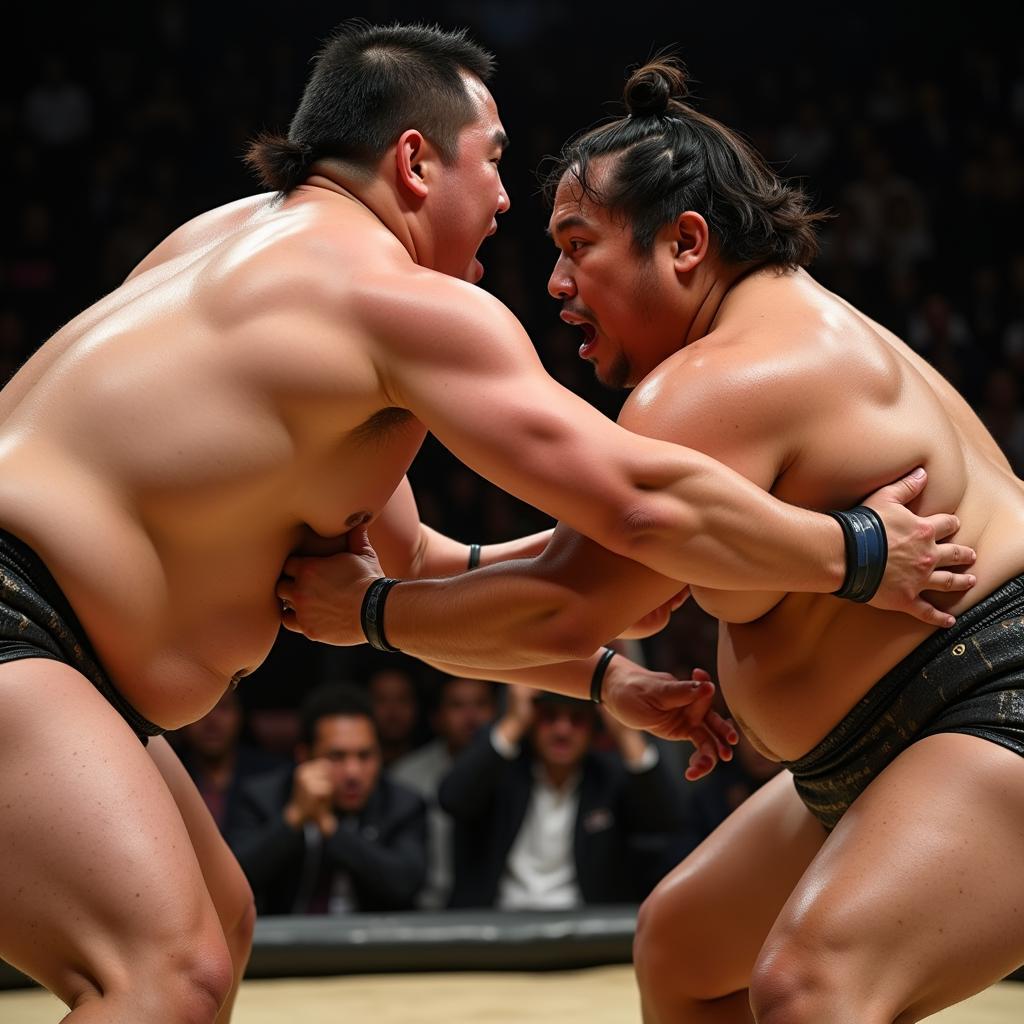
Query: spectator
<point>464,706</point>
<point>332,835</point>
<point>546,824</point>
<point>396,711</point>
<point>218,763</point>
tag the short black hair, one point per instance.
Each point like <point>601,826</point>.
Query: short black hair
<point>670,158</point>
<point>329,700</point>
<point>369,84</point>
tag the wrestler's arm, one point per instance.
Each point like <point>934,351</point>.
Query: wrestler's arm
<point>576,595</point>
<point>462,363</point>
<point>409,548</point>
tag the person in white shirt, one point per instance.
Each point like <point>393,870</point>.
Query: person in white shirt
<point>542,819</point>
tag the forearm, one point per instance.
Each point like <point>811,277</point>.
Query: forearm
<point>712,527</point>
<point>571,678</point>
<point>507,618</point>
<point>442,556</point>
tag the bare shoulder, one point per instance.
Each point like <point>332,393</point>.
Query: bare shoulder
<point>731,381</point>
<point>202,232</point>
<point>420,314</point>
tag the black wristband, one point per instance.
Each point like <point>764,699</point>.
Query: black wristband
<point>598,677</point>
<point>474,556</point>
<point>371,615</point>
<point>867,551</point>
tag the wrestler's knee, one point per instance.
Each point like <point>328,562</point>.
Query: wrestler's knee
<point>239,932</point>
<point>184,982</point>
<point>798,980</point>
<point>666,953</point>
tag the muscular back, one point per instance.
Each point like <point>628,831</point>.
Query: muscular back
<point>818,404</point>
<point>168,448</point>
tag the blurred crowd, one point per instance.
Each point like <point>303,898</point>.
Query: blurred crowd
<point>406,789</point>
<point>533,802</point>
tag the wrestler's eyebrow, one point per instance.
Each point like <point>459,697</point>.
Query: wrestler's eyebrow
<point>574,220</point>
<point>501,139</point>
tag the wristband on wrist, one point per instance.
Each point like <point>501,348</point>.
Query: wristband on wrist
<point>867,551</point>
<point>474,556</point>
<point>371,615</point>
<point>598,677</point>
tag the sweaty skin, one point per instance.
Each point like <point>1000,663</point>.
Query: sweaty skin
<point>264,379</point>
<point>814,402</point>
<point>796,390</point>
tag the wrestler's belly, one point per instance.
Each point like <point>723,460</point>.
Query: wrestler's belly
<point>173,620</point>
<point>791,676</point>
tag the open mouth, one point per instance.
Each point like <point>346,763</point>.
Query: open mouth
<point>588,329</point>
<point>589,339</point>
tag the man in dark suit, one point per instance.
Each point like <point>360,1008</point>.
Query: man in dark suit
<point>542,819</point>
<point>333,835</point>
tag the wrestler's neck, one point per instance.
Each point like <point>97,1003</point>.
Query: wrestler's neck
<point>713,287</point>
<point>377,197</point>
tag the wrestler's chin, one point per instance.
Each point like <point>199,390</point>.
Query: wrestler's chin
<point>475,271</point>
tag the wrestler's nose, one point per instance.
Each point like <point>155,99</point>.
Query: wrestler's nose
<point>503,200</point>
<point>560,283</point>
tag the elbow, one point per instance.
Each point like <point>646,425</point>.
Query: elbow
<point>653,528</point>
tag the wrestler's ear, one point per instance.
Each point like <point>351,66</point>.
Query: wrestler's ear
<point>413,157</point>
<point>690,241</point>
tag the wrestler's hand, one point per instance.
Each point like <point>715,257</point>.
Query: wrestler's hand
<point>917,561</point>
<point>674,709</point>
<point>322,597</point>
<point>655,621</point>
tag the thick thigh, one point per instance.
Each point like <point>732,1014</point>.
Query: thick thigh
<point>225,880</point>
<point>916,901</point>
<point>701,929</point>
<point>98,869</point>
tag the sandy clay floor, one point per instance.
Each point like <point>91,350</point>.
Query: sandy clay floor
<point>603,995</point>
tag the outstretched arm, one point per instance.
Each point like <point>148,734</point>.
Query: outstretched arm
<point>409,548</point>
<point>462,363</point>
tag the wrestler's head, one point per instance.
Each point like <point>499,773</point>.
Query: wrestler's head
<point>337,726</point>
<point>649,211</point>
<point>406,105</point>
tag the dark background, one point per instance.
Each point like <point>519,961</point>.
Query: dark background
<point>118,123</point>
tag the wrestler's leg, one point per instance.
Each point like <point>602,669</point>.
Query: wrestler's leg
<point>225,881</point>
<point>101,897</point>
<point>915,902</point>
<point>699,932</point>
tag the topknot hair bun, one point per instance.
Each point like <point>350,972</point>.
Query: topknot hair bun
<point>651,90</point>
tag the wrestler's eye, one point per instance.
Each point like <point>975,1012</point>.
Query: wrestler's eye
<point>575,244</point>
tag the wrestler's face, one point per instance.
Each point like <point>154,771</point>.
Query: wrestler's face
<point>349,744</point>
<point>626,304</point>
<point>469,194</point>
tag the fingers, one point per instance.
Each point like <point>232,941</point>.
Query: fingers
<point>945,525</point>
<point>680,692</point>
<point>954,554</point>
<point>905,489</point>
<point>723,732</point>
<point>704,758</point>
<point>701,676</point>
<point>951,582</point>
<point>359,542</point>
<point>929,614</point>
